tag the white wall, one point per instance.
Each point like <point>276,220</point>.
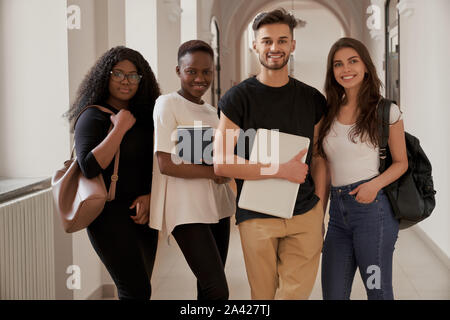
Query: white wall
<point>246,56</point>
<point>153,29</point>
<point>82,45</point>
<point>34,91</point>
<point>189,19</point>
<point>141,29</point>
<point>116,23</point>
<point>169,37</point>
<point>313,44</point>
<point>250,64</point>
<point>424,85</point>
<point>374,38</point>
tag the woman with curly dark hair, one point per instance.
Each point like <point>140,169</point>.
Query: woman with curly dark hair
<point>123,82</point>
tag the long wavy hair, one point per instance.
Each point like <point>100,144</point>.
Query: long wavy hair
<point>366,126</point>
<point>94,89</point>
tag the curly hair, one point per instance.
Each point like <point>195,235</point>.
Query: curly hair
<point>94,89</point>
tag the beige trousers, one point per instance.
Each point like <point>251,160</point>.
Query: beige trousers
<point>283,254</point>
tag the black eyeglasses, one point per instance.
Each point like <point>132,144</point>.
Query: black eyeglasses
<point>119,76</point>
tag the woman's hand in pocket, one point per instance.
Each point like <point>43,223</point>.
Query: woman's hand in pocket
<point>366,192</point>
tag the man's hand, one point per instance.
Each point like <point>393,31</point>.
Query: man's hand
<point>294,170</point>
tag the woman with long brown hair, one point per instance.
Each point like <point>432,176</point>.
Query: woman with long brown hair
<point>362,230</point>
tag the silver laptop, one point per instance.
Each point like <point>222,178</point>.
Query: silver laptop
<point>274,197</point>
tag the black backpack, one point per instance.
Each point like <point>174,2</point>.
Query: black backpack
<point>412,196</point>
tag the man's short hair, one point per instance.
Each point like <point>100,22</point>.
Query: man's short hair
<point>276,16</point>
<point>193,46</point>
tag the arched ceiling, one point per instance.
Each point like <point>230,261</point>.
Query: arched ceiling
<point>236,14</point>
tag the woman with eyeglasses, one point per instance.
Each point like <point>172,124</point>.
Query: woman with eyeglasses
<point>123,82</point>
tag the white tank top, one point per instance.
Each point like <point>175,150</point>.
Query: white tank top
<point>352,162</point>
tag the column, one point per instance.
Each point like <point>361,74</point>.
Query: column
<point>153,29</point>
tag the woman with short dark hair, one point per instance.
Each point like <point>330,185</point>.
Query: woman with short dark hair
<point>193,204</point>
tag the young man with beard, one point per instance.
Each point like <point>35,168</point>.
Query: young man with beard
<point>279,253</point>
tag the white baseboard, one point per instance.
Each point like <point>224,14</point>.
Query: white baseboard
<point>432,245</point>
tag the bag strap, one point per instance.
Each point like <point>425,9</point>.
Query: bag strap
<point>384,108</point>
<point>106,110</point>
<point>114,177</point>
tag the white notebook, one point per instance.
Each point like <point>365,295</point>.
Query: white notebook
<point>274,197</point>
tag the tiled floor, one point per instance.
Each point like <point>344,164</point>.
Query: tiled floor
<point>417,272</point>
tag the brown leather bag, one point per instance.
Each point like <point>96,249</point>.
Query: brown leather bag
<point>79,200</point>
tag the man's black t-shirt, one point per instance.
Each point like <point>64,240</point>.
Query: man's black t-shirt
<point>294,108</point>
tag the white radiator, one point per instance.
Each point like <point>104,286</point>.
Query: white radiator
<point>27,247</point>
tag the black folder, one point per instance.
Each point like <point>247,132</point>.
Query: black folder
<point>195,144</point>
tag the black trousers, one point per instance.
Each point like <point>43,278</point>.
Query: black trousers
<point>126,249</point>
<point>205,247</point>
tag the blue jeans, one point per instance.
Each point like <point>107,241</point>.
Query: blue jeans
<point>359,235</point>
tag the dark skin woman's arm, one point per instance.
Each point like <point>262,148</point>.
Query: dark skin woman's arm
<point>104,153</point>
<point>186,171</point>
<point>106,150</point>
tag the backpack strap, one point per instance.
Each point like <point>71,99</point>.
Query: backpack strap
<point>384,108</point>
